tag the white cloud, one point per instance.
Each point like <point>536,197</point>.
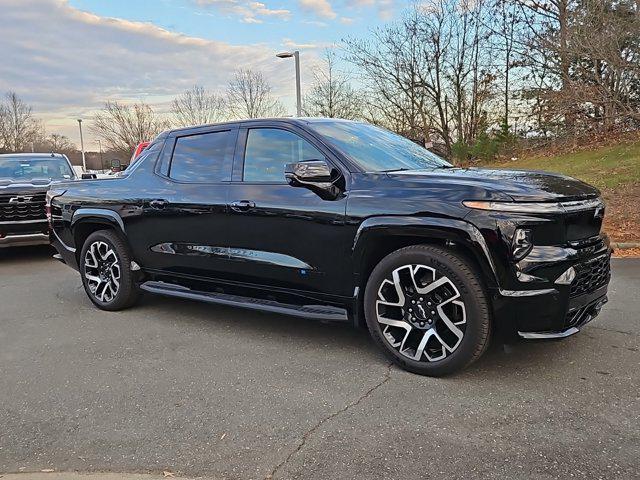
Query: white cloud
<point>66,62</point>
<point>322,8</point>
<point>386,8</point>
<point>292,45</point>
<point>248,11</point>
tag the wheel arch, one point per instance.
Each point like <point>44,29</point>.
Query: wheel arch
<point>377,237</point>
<point>86,221</point>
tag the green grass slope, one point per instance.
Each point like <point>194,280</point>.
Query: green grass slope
<point>605,167</point>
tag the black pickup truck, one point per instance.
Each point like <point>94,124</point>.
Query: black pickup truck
<point>339,220</point>
<point>24,181</point>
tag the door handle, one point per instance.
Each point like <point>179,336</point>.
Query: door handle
<point>158,204</point>
<point>242,206</point>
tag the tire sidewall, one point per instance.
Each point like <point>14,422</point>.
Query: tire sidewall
<point>475,306</point>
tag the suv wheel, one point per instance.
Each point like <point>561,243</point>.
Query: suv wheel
<point>425,306</point>
<point>105,267</point>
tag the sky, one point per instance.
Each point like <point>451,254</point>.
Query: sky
<point>67,57</point>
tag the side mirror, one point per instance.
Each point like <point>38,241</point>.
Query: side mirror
<point>309,171</point>
<point>316,175</point>
<point>88,176</point>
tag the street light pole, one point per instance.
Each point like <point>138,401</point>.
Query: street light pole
<point>100,148</point>
<point>296,57</point>
<point>84,162</point>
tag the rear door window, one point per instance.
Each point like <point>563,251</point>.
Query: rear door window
<point>204,157</point>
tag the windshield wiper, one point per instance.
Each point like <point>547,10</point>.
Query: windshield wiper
<point>403,169</point>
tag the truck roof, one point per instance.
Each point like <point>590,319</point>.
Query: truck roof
<point>290,120</point>
<point>33,155</point>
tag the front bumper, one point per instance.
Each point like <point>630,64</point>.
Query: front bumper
<point>577,317</point>
<point>24,233</point>
<point>24,240</point>
<point>552,305</point>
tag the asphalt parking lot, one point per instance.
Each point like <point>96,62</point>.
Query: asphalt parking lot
<point>202,390</point>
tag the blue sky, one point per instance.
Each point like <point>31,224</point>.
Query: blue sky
<point>312,22</point>
<point>67,57</point>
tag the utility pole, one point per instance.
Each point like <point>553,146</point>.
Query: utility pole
<point>84,162</point>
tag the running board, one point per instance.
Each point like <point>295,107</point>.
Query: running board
<point>320,312</point>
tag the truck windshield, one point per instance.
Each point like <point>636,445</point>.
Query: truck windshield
<point>31,168</point>
<point>375,149</point>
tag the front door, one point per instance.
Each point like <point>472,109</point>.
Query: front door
<point>280,235</point>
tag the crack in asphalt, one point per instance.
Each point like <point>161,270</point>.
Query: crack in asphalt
<point>632,334</point>
<point>312,430</point>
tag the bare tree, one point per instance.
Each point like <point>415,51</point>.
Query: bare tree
<point>122,127</point>
<point>392,68</point>
<point>19,130</point>
<point>59,143</point>
<point>249,96</point>
<point>431,72</point>
<point>505,25</point>
<point>583,64</point>
<point>197,106</point>
<point>331,94</point>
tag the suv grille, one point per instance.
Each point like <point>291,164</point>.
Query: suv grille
<point>21,209</point>
<point>591,275</point>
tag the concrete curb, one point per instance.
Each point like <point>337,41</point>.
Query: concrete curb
<point>87,476</point>
<point>625,245</point>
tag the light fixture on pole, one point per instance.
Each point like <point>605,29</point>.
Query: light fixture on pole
<point>84,162</point>
<point>296,56</point>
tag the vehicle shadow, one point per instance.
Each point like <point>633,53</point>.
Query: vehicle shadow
<point>504,356</point>
<point>26,254</point>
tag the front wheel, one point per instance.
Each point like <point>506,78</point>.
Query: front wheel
<point>105,267</point>
<point>426,308</point>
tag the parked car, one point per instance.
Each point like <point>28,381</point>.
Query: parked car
<point>340,220</point>
<point>24,181</point>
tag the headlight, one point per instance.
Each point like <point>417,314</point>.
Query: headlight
<point>536,207</point>
<point>522,244</point>
<point>520,207</point>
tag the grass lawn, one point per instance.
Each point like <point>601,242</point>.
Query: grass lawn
<point>615,170</point>
<point>605,167</point>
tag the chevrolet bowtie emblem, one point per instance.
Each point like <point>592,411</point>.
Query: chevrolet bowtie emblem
<point>20,199</point>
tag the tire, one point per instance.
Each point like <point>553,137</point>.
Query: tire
<point>440,323</point>
<point>105,269</point>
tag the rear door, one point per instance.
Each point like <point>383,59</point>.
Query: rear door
<point>182,225</point>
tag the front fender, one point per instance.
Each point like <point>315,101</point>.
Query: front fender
<point>427,229</point>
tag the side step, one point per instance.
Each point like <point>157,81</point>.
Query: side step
<point>320,312</point>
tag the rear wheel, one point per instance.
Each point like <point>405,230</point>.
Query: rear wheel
<point>426,308</point>
<point>105,267</point>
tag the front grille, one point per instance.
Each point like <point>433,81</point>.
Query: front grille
<point>591,275</point>
<point>23,207</point>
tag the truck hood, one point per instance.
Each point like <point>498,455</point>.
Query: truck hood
<point>8,185</point>
<point>520,185</point>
